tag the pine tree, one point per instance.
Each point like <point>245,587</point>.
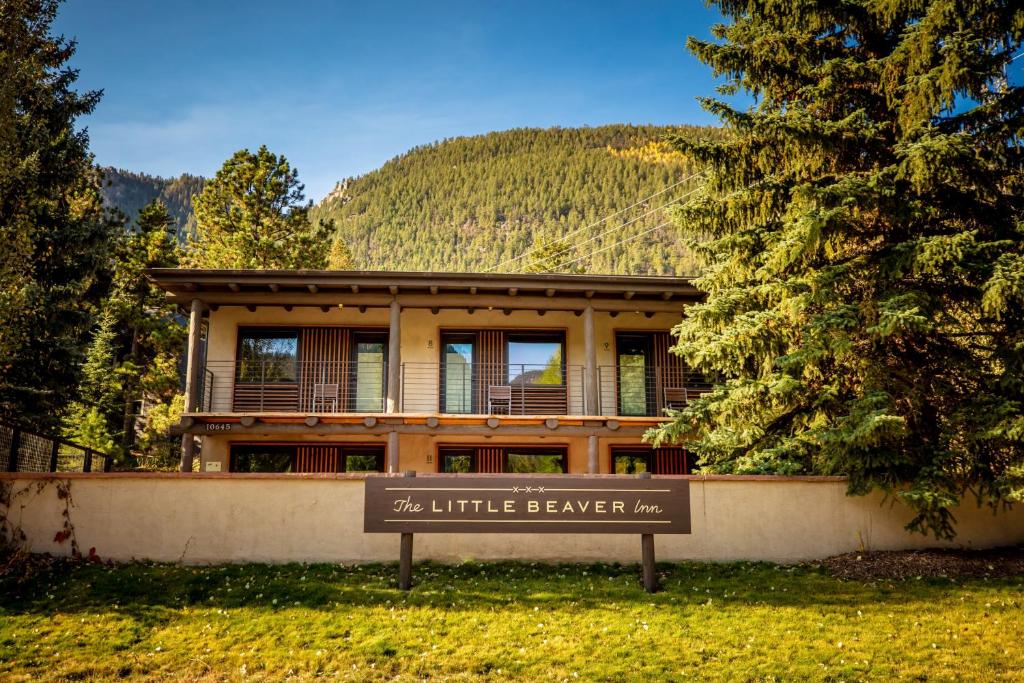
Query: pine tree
<point>340,256</point>
<point>551,255</point>
<point>253,214</point>
<point>54,234</point>
<point>861,233</point>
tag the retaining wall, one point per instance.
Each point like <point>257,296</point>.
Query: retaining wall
<point>202,518</point>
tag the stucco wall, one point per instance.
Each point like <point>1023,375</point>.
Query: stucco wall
<point>417,451</point>
<point>269,518</point>
<point>420,335</point>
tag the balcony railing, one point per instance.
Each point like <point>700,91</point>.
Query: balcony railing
<point>276,386</point>
<point>645,390</point>
<point>492,388</point>
<point>444,388</point>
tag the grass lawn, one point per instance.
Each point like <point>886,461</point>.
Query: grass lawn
<point>504,622</point>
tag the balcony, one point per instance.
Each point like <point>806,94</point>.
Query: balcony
<point>492,389</point>
<point>645,390</point>
<point>321,387</point>
<point>289,386</point>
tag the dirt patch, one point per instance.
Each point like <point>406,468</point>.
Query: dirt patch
<point>911,564</point>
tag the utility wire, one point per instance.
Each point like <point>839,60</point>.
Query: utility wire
<point>615,244</point>
<point>606,218</point>
<point>623,225</point>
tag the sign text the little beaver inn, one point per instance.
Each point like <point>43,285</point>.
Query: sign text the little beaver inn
<point>559,504</point>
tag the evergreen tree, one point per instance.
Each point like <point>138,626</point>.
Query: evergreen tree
<point>133,354</point>
<point>54,234</point>
<point>340,256</point>
<point>472,203</point>
<point>551,255</point>
<point>862,239</point>
<point>253,214</point>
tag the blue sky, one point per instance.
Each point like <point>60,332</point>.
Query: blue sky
<point>341,87</point>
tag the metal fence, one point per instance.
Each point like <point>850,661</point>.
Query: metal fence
<point>25,451</point>
<point>492,388</point>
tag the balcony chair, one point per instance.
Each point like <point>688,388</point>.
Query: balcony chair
<point>676,398</point>
<point>499,394</point>
<point>326,393</point>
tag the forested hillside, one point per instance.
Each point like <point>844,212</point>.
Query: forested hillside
<point>130,192</point>
<point>471,203</point>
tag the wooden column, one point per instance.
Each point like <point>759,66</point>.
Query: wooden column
<point>592,464</point>
<point>394,358</point>
<point>393,452</point>
<point>590,388</point>
<point>193,376</point>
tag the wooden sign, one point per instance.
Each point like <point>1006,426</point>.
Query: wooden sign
<point>526,504</point>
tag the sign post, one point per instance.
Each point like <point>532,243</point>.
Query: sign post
<point>647,555</point>
<point>526,504</point>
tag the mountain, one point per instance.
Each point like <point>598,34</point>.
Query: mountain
<point>130,191</point>
<point>472,203</point>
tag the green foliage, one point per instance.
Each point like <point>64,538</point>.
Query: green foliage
<point>861,237</point>
<point>130,192</point>
<point>54,235</point>
<point>253,214</point>
<point>467,204</point>
<point>132,358</point>
<point>340,256</point>
<point>87,426</point>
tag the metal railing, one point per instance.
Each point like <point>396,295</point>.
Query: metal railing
<point>26,451</point>
<point>463,388</point>
<point>646,390</point>
<point>293,387</point>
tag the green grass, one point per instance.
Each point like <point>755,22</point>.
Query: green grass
<point>503,622</point>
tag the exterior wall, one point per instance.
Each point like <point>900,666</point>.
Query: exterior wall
<point>418,451</point>
<point>421,332</point>
<point>272,518</point>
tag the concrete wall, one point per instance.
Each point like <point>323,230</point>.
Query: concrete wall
<point>274,518</point>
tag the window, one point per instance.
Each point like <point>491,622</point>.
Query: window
<point>457,357</point>
<point>457,460</point>
<point>637,459</point>
<point>630,462</point>
<point>362,459</point>
<point>522,461</point>
<point>268,355</point>
<point>256,458</point>
<point>306,457</point>
<point>508,459</point>
<point>369,354</point>
<point>536,359</point>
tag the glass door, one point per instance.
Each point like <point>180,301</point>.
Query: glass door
<point>369,361</point>
<point>458,353</point>
<point>634,374</point>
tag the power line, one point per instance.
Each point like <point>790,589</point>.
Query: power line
<point>627,223</point>
<point>606,218</point>
<point>623,225</point>
<point>615,244</point>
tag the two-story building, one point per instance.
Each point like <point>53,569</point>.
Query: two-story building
<point>341,371</point>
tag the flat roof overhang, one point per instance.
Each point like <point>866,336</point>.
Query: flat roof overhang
<point>374,289</point>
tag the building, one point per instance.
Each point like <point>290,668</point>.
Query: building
<point>340,371</point>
